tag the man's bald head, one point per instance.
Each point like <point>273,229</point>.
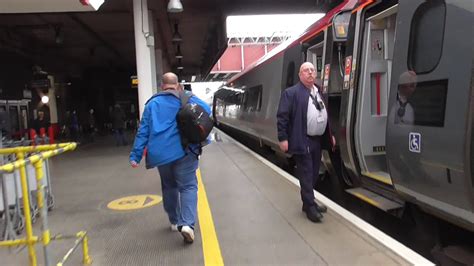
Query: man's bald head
<point>169,81</point>
<point>307,74</point>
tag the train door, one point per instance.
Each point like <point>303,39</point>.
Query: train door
<point>428,126</point>
<point>4,120</point>
<point>14,115</point>
<point>372,99</point>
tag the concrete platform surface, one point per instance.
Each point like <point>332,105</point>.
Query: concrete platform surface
<point>256,214</point>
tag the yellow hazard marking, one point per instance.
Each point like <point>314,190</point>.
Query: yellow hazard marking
<point>210,244</point>
<point>134,202</point>
<point>366,199</point>
<point>379,178</point>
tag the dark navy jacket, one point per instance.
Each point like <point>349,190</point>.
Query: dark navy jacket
<point>292,119</point>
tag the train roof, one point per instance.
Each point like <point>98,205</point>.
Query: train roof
<point>311,31</point>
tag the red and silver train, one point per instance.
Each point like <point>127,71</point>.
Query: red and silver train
<point>399,78</point>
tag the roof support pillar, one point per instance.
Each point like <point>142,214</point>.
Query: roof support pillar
<point>145,52</point>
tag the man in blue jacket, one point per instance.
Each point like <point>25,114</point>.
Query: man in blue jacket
<point>158,132</point>
<point>303,127</point>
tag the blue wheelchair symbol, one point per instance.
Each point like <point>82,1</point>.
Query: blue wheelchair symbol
<point>415,142</point>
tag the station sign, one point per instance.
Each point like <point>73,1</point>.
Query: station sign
<point>134,82</point>
<point>327,69</point>
<point>347,72</point>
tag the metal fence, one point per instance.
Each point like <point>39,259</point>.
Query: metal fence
<point>26,194</point>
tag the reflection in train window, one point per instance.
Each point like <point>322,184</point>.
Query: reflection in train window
<point>426,36</point>
<point>253,99</point>
<point>429,103</point>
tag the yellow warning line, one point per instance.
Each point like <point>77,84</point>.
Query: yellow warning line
<point>210,245</point>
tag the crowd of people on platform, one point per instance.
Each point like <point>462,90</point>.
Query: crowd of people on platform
<point>85,127</point>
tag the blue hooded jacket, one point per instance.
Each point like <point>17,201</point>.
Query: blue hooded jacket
<point>158,130</point>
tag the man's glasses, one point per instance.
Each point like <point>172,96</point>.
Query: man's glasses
<point>309,70</point>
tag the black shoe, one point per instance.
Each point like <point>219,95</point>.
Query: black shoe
<point>320,208</point>
<point>313,214</point>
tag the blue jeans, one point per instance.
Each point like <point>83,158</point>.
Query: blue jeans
<point>179,187</point>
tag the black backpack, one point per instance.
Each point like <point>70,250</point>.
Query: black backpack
<point>194,123</point>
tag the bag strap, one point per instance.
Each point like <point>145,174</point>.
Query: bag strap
<point>184,96</point>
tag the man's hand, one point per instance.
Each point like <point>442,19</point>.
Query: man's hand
<point>284,146</point>
<point>333,142</point>
<point>134,164</point>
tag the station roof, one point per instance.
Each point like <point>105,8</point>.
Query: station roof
<point>71,41</point>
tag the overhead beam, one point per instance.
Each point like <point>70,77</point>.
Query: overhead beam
<point>98,37</point>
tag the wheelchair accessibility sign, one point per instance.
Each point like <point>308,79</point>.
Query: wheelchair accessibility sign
<point>414,142</point>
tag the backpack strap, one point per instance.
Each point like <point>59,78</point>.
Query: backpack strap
<point>184,96</point>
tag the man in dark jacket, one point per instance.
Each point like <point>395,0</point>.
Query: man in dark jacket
<point>303,128</point>
<point>41,122</point>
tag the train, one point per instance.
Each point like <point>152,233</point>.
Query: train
<point>399,79</point>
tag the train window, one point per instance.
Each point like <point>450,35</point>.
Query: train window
<point>253,99</point>
<point>423,104</point>
<point>426,36</point>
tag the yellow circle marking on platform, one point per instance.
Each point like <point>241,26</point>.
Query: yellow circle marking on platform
<point>134,202</point>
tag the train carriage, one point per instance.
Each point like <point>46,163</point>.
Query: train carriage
<point>399,77</point>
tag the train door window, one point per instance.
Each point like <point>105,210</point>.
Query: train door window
<point>14,120</point>
<point>315,56</point>
<point>4,121</point>
<point>426,36</point>
<point>253,99</point>
<point>24,117</point>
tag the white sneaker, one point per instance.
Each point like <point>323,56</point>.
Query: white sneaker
<point>174,227</point>
<point>188,234</point>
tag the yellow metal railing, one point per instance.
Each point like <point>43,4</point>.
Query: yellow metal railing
<point>44,152</point>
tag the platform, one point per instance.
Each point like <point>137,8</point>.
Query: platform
<point>256,216</point>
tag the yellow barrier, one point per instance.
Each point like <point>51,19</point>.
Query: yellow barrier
<point>46,151</point>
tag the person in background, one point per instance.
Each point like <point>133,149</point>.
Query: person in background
<point>177,165</point>
<point>91,126</point>
<point>41,122</point>
<point>303,131</point>
<point>118,124</point>
<point>74,126</point>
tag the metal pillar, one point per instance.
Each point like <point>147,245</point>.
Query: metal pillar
<point>145,52</point>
